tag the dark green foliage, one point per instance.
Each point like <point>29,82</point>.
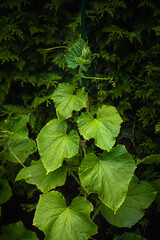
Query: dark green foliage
<point>124,38</point>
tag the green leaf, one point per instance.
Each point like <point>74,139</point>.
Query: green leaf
<point>109,177</point>
<point>79,55</point>
<point>60,222</point>
<point>150,159</point>
<point>140,195</point>
<point>66,101</point>
<point>16,231</point>
<point>104,128</point>
<point>54,144</point>
<point>5,191</point>
<point>17,126</point>
<point>36,174</point>
<point>19,149</point>
<point>129,236</point>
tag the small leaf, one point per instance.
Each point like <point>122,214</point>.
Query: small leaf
<point>19,148</point>
<point>103,129</point>
<point>17,126</point>
<point>109,177</point>
<point>140,195</point>
<point>16,231</point>
<point>66,101</point>
<point>5,191</point>
<point>77,54</point>
<point>129,236</point>
<point>54,145</point>
<point>60,222</point>
<point>36,174</point>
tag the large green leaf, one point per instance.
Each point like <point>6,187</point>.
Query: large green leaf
<point>5,191</point>
<point>129,236</point>
<point>79,55</point>
<point>104,128</point>
<point>109,176</point>
<point>36,174</point>
<point>19,149</point>
<point>61,222</point>
<point>17,126</point>
<point>140,195</point>
<point>66,101</point>
<point>54,144</point>
<point>16,231</point>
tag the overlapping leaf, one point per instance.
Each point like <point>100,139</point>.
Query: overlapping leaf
<point>36,174</point>
<point>104,128</point>
<point>16,231</point>
<point>66,101</point>
<point>19,149</point>
<point>140,195</point>
<point>60,222</point>
<point>54,144</point>
<point>5,191</point>
<point>79,55</point>
<point>17,126</point>
<point>129,236</point>
<point>19,146</point>
<point>109,177</point>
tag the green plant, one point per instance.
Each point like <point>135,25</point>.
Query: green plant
<point>102,172</point>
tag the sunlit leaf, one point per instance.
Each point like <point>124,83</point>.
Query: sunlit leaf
<point>109,177</point>
<point>104,128</point>
<point>139,197</point>
<point>66,101</point>
<point>36,174</point>
<point>54,144</point>
<point>61,222</point>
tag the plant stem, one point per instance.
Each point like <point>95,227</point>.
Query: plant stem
<point>97,78</point>
<point>48,49</point>
<point>16,157</point>
<point>74,176</point>
<point>96,212</point>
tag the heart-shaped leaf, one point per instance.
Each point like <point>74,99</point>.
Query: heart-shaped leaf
<point>36,174</point>
<point>109,177</point>
<point>104,128</point>
<point>54,144</point>
<point>60,222</point>
<point>66,101</point>
<point>140,195</point>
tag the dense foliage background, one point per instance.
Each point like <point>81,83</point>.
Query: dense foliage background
<point>124,39</point>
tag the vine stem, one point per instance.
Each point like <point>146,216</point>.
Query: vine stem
<point>58,47</point>
<point>74,176</point>
<point>97,78</point>
<point>96,212</point>
<point>17,158</point>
